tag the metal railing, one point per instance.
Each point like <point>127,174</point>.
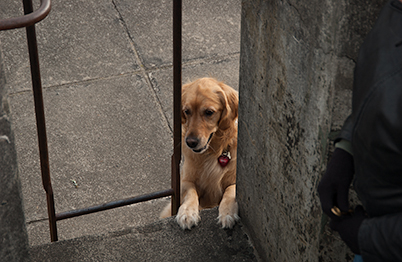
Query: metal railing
<point>29,20</point>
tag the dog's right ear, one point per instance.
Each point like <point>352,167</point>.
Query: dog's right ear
<point>183,99</point>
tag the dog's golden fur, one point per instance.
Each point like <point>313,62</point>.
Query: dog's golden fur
<point>209,125</point>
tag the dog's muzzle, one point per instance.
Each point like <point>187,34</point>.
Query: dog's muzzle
<point>193,142</point>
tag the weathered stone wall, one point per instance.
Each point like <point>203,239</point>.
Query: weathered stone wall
<point>296,68</point>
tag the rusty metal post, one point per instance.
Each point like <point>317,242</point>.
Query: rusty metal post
<point>177,24</point>
<point>40,120</point>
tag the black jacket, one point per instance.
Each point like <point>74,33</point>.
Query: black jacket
<point>375,130</point>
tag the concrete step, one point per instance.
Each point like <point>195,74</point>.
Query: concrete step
<point>163,240</point>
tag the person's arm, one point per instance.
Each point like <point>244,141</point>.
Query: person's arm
<point>333,188</point>
<point>346,131</point>
<point>380,238</point>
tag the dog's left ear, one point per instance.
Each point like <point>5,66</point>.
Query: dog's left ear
<point>230,101</point>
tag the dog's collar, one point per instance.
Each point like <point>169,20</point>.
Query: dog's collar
<point>224,158</point>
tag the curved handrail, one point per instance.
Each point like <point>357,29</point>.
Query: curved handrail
<point>27,20</point>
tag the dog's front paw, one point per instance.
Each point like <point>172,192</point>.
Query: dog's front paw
<point>188,216</point>
<point>228,214</point>
<point>228,221</point>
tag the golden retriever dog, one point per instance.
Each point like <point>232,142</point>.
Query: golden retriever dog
<point>209,146</point>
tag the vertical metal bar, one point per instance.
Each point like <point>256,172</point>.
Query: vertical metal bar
<point>177,24</point>
<point>40,120</point>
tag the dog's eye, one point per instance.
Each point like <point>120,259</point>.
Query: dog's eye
<point>187,111</point>
<point>209,112</point>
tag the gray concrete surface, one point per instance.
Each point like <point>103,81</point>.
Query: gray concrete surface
<point>159,241</point>
<point>13,234</point>
<point>106,72</point>
<point>296,73</point>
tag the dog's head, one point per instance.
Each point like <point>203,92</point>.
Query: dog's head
<point>207,106</point>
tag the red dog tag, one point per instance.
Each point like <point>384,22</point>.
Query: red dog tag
<point>224,159</point>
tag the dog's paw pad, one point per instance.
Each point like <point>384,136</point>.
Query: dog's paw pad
<point>187,219</point>
<point>228,221</point>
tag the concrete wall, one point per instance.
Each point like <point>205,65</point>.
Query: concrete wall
<point>296,67</point>
<point>13,235</point>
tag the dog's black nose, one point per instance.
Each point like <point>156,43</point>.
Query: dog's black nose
<point>192,142</point>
